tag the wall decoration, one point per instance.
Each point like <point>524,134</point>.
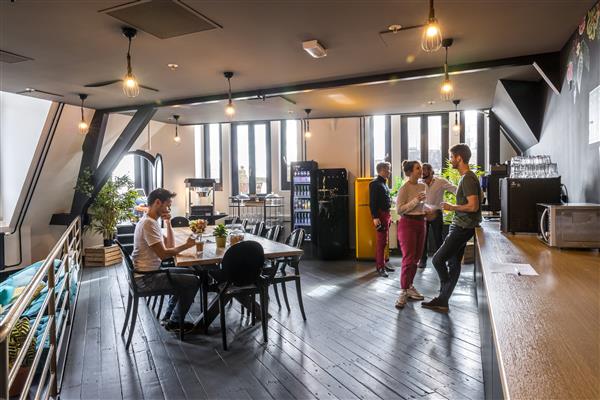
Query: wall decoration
<point>594,116</point>
<point>593,18</point>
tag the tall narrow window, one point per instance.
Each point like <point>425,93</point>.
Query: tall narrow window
<point>260,158</point>
<point>434,141</point>
<point>289,150</point>
<point>380,140</point>
<point>212,153</point>
<point>414,138</point>
<point>471,134</point>
<point>251,158</point>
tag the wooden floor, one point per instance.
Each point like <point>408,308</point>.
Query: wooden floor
<point>355,344</point>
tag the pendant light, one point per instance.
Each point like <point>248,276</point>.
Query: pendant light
<point>230,109</point>
<point>307,132</point>
<point>456,125</point>
<point>432,34</point>
<point>83,126</point>
<point>176,138</point>
<point>131,86</point>
<point>447,88</point>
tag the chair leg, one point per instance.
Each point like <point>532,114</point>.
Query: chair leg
<point>222,317</point>
<point>249,310</point>
<point>127,313</point>
<point>264,306</point>
<point>285,298</point>
<point>160,306</point>
<point>299,293</point>
<point>134,315</point>
<point>155,300</point>
<point>181,321</point>
<point>148,300</point>
<point>276,294</point>
<point>253,298</point>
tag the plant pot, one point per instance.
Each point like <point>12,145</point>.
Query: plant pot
<point>221,241</point>
<point>108,242</point>
<point>19,382</point>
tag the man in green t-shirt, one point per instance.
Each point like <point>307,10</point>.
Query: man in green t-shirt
<point>467,215</point>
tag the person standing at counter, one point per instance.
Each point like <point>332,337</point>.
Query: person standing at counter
<point>467,215</point>
<point>436,187</point>
<point>379,203</point>
<point>411,229</point>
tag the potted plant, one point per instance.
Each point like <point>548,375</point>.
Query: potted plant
<point>114,203</point>
<point>15,344</point>
<point>220,234</point>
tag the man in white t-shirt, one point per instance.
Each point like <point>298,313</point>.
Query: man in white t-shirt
<point>150,248</point>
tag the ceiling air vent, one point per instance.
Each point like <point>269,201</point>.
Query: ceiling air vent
<point>12,58</point>
<point>162,18</point>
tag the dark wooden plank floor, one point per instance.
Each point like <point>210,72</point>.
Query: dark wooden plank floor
<point>355,344</point>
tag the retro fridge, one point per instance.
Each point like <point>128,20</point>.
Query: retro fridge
<point>303,197</point>
<point>331,231</point>
<point>365,231</point>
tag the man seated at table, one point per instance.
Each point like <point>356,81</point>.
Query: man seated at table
<point>150,248</point>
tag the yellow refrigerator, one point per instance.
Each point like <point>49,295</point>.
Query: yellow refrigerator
<point>365,231</point>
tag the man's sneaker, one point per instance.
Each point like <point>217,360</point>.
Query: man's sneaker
<point>401,302</point>
<point>421,265</point>
<point>165,320</point>
<point>436,304</point>
<point>389,268</point>
<point>172,326</point>
<point>381,272</point>
<point>414,294</point>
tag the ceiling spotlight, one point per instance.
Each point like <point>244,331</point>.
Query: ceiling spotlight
<point>307,132</point>
<point>176,138</point>
<point>230,109</point>
<point>456,125</point>
<point>314,48</point>
<point>173,67</point>
<point>432,34</point>
<point>83,126</point>
<point>131,86</point>
<point>447,88</point>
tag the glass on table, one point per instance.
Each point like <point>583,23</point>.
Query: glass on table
<point>199,244</point>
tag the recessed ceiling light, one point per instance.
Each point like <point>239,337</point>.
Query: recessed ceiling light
<point>173,67</point>
<point>314,48</point>
<point>290,111</point>
<point>431,102</point>
<point>340,98</point>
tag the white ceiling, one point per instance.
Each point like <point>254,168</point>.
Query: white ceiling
<point>72,44</point>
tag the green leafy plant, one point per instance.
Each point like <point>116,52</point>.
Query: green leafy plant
<point>453,176</point>
<point>398,182</point>
<point>220,231</point>
<point>113,204</point>
<point>16,341</point>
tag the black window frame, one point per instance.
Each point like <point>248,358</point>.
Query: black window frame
<point>388,140</point>
<point>284,182</point>
<point>251,157</point>
<point>206,153</point>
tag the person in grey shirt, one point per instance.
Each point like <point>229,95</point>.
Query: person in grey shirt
<point>467,215</point>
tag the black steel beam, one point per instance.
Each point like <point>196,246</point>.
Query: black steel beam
<point>539,59</point>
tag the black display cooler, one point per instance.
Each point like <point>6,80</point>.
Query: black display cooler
<point>331,230</point>
<point>303,197</point>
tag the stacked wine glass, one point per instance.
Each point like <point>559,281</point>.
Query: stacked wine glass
<point>533,167</point>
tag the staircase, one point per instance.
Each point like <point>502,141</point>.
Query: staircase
<point>125,235</point>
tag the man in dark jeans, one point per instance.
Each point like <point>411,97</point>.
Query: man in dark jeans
<point>467,215</point>
<point>379,204</point>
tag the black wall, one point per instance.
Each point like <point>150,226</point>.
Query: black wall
<point>565,131</point>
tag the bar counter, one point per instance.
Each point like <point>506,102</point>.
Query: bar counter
<point>540,334</point>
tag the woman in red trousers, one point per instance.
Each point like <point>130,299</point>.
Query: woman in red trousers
<point>411,229</point>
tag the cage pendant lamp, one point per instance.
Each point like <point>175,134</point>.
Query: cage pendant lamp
<point>176,138</point>
<point>432,34</point>
<point>83,126</point>
<point>447,88</point>
<point>230,109</point>
<point>131,87</point>
<point>456,125</point>
<point>307,132</point>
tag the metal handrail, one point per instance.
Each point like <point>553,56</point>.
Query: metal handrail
<point>68,250</point>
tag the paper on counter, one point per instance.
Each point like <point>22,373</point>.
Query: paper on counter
<point>514,269</point>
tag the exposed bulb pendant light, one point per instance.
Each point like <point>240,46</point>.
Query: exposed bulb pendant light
<point>83,126</point>
<point>456,125</point>
<point>432,34</point>
<point>447,88</point>
<point>131,87</point>
<point>230,109</point>
<point>307,132</point>
<point>176,138</point>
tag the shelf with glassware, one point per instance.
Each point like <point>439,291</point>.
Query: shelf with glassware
<point>267,208</point>
<point>303,196</point>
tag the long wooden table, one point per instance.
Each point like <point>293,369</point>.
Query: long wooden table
<point>543,332</point>
<point>210,259</point>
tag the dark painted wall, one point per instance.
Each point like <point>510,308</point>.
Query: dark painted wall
<point>565,126</point>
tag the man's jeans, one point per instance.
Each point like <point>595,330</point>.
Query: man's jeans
<point>435,227</point>
<point>447,260</point>
<point>186,286</point>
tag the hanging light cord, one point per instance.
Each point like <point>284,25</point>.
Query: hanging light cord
<point>229,83</point>
<point>431,11</point>
<point>446,65</point>
<point>82,109</point>
<point>129,58</point>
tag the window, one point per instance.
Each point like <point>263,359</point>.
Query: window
<point>289,135</point>
<point>212,154</point>
<point>251,158</point>
<point>414,138</point>
<point>471,134</point>
<point>125,167</point>
<point>380,140</point>
<point>434,142</point>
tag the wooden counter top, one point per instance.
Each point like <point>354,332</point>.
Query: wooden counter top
<point>546,328</point>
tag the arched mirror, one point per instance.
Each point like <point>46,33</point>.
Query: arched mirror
<point>158,171</point>
<point>145,170</point>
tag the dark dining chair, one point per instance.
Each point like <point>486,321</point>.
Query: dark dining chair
<point>180,222</point>
<point>241,269</point>
<point>279,272</point>
<point>135,293</point>
<point>258,228</point>
<point>273,233</point>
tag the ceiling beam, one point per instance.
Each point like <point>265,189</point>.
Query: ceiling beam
<point>540,59</point>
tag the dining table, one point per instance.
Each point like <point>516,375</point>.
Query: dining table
<point>210,259</point>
